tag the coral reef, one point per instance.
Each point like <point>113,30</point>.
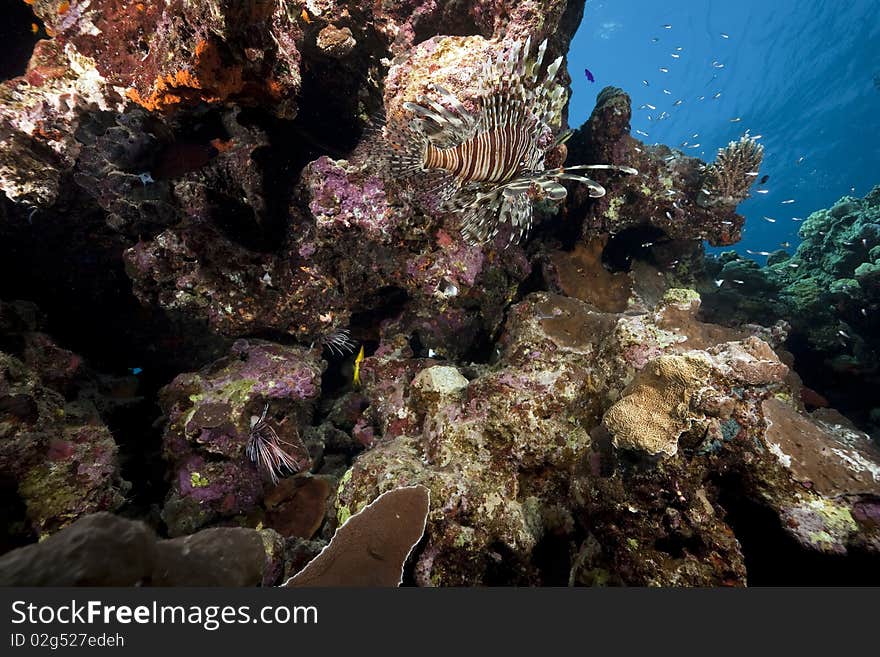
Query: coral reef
<point>202,216</point>
<point>827,291</point>
<point>504,450</point>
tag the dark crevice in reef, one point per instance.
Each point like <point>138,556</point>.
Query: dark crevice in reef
<point>13,517</point>
<point>337,378</point>
<point>74,274</point>
<point>503,568</point>
<point>534,282</point>
<point>563,227</point>
<point>328,127</point>
<point>552,558</point>
<point>327,120</point>
<point>677,546</point>
<point>852,392</point>
<point>774,558</point>
<point>139,437</point>
<point>458,23</point>
<point>385,303</point>
<point>629,244</point>
<point>18,38</point>
<point>481,350</point>
<point>190,147</point>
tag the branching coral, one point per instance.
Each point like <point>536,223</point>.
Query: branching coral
<point>727,180</point>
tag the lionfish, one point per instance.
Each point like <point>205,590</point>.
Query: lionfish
<point>489,165</point>
<point>266,449</point>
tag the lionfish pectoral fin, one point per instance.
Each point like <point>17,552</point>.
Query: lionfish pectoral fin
<point>483,219</point>
<point>441,185</point>
<point>554,191</point>
<point>517,211</point>
<point>480,219</point>
<point>583,167</point>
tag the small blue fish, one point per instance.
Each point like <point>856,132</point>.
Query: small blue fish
<point>589,75</point>
<point>135,370</point>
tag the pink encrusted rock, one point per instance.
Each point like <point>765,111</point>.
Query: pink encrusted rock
<point>343,197</point>
<point>39,114</point>
<point>403,23</point>
<point>60,456</point>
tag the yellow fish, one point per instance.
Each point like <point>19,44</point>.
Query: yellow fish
<point>357,366</point>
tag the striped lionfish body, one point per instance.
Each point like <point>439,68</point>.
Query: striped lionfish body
<point>489,164</point>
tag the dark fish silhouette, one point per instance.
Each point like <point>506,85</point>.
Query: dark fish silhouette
<point>589,75</point>
<point>877,82</point>
<point>764,179</point>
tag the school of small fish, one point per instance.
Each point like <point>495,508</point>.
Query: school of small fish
<point>718,65</point>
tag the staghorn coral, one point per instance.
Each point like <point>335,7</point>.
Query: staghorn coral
<point>727,180</point>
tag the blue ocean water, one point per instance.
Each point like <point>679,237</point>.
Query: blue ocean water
<point>801,73</point>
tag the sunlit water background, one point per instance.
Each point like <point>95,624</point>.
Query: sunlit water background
<point>800,73</point>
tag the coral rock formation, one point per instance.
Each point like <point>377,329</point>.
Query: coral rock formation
<point>666,193</point>
<point>210,417</point>
<point>727,180</point>
<point>194,193</point>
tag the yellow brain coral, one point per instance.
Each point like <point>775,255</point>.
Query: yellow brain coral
<point>655,409</point>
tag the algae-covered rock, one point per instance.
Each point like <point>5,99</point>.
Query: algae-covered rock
<point>210,416</point>
<point>61,458</point>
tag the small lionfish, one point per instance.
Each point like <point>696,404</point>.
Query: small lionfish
<point>265,449</point>
<point>489,165</point>
<point>339,342</point>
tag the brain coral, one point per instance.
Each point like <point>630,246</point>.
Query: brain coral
<point>656,409</point>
